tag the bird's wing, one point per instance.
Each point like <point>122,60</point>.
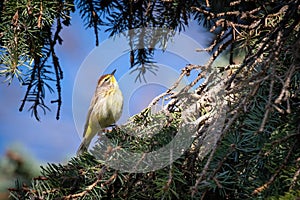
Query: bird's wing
<point>92,105</point>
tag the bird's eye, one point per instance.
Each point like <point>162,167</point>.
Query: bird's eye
<point>106,79</point>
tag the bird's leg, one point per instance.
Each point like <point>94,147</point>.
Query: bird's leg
<point>114,126</point>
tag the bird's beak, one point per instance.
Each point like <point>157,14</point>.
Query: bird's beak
<point>113,72</point>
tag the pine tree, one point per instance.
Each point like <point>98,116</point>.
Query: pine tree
<point>244,118</point>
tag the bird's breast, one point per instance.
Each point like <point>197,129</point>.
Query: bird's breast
<point>107,111</point>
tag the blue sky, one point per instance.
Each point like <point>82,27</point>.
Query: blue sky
<point>52,140</point>
<point>49,140</point>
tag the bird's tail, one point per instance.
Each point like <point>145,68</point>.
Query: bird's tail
<point>83,146</point>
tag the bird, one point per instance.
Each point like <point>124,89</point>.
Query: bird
<point>105,109</point>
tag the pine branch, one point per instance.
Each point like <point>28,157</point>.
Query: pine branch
<point>227,158</point>
<point>271,180</point>
<point>26,45</point>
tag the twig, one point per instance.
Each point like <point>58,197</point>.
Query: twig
<point>57,68</point>
<point>40,17</point>
<point>281,140</point>
<point>93,185</point>
<point>135,168</point>
<point>168,183</point>
<point>273,177</point>
<point>206,167</point>
<point>185,72</point>
<point>296,175</point>
<point>216,53</point>
<point>284,92</point>
<point>94,20</point>
<point>267,108</point>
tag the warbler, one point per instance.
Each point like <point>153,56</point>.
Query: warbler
<point>105,109</point>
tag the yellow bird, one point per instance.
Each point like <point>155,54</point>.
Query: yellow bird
<point>105,109</point>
